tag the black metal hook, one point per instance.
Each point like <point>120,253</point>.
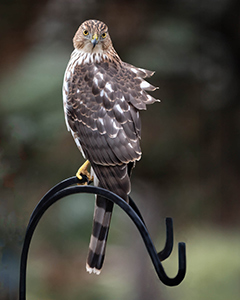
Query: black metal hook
<point>66,188</point>
<point>167,250</point>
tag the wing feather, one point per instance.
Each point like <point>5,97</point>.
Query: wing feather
<point>102,106</point>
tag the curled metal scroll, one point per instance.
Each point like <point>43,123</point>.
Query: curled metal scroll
<point>69,187</point>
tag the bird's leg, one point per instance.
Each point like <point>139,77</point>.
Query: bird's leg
<point>83,171</point>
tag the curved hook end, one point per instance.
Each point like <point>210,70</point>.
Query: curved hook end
<point>182,257</point>
<point>167,250</point>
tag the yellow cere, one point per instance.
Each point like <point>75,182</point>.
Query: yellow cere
<point>95,37</point>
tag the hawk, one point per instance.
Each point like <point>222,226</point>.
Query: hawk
<point>102,97</point>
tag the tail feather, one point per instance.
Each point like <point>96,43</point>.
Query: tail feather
<point>115,179</point>
<point>98,241</point>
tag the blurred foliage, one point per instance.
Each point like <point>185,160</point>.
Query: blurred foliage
<point>190,143</point>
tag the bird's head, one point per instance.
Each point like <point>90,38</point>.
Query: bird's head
<point>92,36</point>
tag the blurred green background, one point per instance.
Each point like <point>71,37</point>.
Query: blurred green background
<point>190,143</point>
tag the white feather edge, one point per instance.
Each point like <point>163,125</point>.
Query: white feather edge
<point>92,270</point>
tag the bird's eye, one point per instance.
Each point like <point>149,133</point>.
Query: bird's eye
<point>104,35</point>
<point>85,32</point>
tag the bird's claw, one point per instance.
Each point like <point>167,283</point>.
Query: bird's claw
<point>83,171</point>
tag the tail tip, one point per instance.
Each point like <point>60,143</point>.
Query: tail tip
<point>92,270</point>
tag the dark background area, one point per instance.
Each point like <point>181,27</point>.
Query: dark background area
<point>190,143</point>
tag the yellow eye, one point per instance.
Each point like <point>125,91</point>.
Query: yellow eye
<point>85,32</point>
<point>104,35</point>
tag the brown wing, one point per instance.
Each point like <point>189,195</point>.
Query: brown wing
<point>102,110</point>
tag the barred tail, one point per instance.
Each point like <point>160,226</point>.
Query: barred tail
<point>98,241</point>
<point>116,179</point>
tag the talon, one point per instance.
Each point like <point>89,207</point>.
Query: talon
<point>83,171</point>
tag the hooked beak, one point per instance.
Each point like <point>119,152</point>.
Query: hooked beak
<point>94,40</point>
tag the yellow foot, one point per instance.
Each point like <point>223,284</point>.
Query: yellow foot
<point>83,171</point>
